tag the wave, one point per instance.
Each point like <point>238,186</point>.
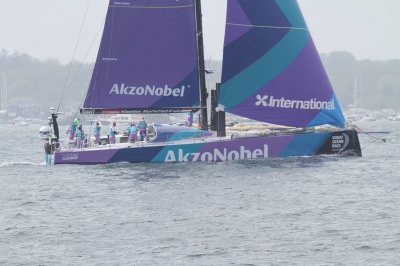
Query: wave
<point>21,163</point>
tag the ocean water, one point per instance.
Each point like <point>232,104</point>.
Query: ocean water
<point>324,210</point>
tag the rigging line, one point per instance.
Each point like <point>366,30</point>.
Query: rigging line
<point>369,144</point>
<point>77,109</point>
<point>370,135</point>
<point>73,55</point>
<point>84,59</point>
<point>80,66</point>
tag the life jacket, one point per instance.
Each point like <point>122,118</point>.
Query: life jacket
<point>112,131</point>
<point>47,148</point>
<point>142,124</point>
<point>132,130</point>
<point>97,130</point>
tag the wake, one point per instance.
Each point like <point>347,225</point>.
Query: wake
<point>21,163</point>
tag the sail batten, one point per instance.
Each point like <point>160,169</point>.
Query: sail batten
<point>148,57</point>
<point>272,71</point>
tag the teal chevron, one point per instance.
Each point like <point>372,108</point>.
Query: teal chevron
<point>335,116</point>
<point>292,13</point>
<point>264,70</point>
<point>304,145</point>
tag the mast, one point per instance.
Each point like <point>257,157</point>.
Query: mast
<point>200,47</point>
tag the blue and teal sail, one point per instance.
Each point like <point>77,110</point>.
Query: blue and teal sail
<point>272,71</point>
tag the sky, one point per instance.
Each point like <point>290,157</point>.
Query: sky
<point>369,29</point>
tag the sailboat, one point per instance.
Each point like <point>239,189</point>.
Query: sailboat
<point>151,60</point>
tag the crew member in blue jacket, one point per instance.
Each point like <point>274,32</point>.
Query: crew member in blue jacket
<point>80,136</point>
<point>132,133</point>
<point>142,129</point>
<point>72,129</point>
<point>112,133</point>
<point>97,133</point>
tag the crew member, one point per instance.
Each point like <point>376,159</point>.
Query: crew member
<point>142,129</point>
<point>72,129</point>
<point>46,136</point>
<point>80,136</point>
<point>189,121</point>
<point>112,133</point>
<point>97,133</point>
<point>132,133</point>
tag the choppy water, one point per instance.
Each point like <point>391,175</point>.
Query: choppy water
<point>295,211</point>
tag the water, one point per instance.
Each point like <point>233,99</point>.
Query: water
<point>295,211</point>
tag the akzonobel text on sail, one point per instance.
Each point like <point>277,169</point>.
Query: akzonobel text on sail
<point>149,90</point>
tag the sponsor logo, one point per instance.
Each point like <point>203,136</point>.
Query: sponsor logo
<point>122,3</point>
<point>262,100</point>
<point>148,90</point>
<point>109,59</point>
<point>138,111</point>
<point>217,155</point>
<point>312,104</point>
<point>340,142</point>
<point>70,156</point>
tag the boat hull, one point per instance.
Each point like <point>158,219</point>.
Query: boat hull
<point>344,142</point>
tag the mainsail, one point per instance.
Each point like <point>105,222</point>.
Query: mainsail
<point>272,71</point>
<point>148,58</point>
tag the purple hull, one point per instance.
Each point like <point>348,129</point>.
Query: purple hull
<point>300,144</point>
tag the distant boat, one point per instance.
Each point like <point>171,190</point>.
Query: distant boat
<point>394,117</point>
<point>19,122</point>
<point>151,60</point>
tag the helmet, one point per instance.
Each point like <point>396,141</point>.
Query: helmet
<point>44,132</point>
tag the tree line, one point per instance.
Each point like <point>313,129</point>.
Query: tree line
<point>366,83</point>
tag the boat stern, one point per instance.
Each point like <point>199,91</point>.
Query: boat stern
<point>344,143</point>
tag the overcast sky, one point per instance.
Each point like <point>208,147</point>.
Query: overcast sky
<point>49,28</point>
